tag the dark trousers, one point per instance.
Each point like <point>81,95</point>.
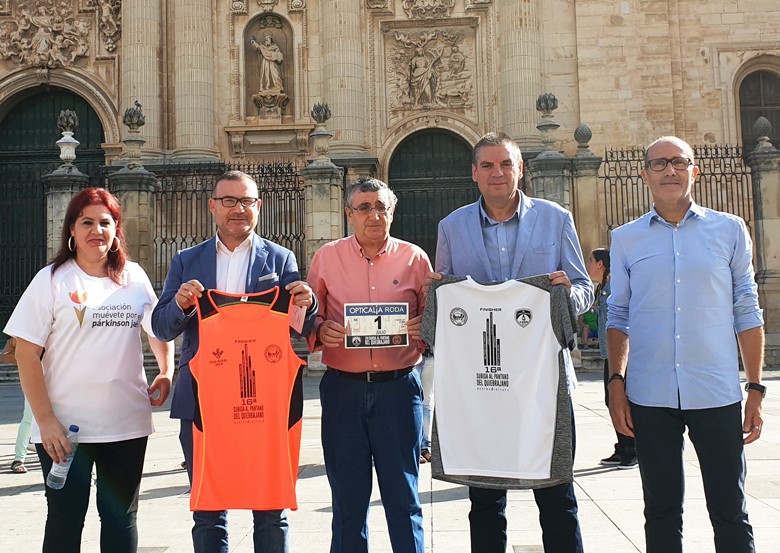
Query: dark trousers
<point>119,467</point>
<point>625,446</point>
<point>716,435</point>
<point>380,423</point>
<point>557,517</point>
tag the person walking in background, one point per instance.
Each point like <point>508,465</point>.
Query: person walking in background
<point>8,355</point>
<point>78,332</point>
<point>624,456</point>
<point>683,298</point>
<point>235,261</point>
<point>425,370</point>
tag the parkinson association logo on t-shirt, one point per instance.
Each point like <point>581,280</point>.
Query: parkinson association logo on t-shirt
<point>79,298</point>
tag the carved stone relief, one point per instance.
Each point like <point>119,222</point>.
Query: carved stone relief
<point>267,5</point>
<point>477,4</point>
<point>109,20</point>
<point>238,6</point>
<point>376,4</point>
<point>430,68</point>
<point>42,34</point>
<point>428,9</point>
<point>296,5</point>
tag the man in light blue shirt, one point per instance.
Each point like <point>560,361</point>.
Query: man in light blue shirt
<point>683,298</point>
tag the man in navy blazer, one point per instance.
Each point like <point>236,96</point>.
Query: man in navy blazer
<point>506,235</point>
<point>236,260</point>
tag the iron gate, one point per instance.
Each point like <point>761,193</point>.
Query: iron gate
<point>430,172</point>
<point>724,183</point>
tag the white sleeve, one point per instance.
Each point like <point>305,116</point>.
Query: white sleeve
<point>33,315</point>
<point>150,299</point>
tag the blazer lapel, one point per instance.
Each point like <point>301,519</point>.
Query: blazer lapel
<point>208,262</point>
<point>474,230</point>
<point>256,263</point>
<point>527,223</point>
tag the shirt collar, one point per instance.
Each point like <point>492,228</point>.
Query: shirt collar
<point>485,219</point>
<point>359,249</point>
<point>243,246</point>
<point>694,211</point>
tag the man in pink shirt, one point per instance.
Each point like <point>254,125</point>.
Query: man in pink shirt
<point>371,396</point>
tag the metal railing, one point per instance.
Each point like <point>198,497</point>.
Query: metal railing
<point>724,183</point>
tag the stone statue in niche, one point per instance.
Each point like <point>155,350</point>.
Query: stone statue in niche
<point>271,98</point>
<point>271,59</point>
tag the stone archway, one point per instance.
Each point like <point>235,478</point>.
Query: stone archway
<point>430,172</point>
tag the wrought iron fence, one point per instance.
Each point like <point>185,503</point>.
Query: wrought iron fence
<point>724,183</point>
<point>22,232</point>
<point>181,211</point>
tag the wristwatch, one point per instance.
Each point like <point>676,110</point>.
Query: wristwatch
<point>757,387</point>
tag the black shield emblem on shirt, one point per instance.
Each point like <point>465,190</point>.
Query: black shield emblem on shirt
<point>523,317</point>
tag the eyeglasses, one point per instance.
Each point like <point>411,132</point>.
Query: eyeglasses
<point>679,163</point>
<point>365,209</point>
<point>230,201</point>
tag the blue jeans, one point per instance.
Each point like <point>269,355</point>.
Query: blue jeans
<point>716,435</point>
<point>425,369</point>
<point>379,421</point>
<point>210,531</point>
<point>119,466</point>
<point>557,517</point>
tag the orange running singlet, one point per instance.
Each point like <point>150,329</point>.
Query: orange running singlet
<point>249,403</point>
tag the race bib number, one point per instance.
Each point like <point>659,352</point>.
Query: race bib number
<point>376,325</point>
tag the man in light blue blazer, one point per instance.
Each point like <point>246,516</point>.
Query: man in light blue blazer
<point>239,261</point>
<point>506,235</point>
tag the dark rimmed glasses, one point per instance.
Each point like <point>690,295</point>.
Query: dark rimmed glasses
<point>678,163</point>
<point>230,201</point>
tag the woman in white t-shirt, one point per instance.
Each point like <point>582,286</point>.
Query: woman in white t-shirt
<point>78,331</point>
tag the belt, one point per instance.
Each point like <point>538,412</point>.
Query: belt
<point>374,376</point>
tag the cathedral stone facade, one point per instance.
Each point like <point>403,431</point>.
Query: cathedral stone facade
<point>222,79</point>
<point>235,80</point>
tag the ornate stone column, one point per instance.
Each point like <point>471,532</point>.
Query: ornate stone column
<point>193,79</point>
<point>63,183</point>
<point>591,223</point>
<point>764,162</point>
<point>344,76</point>
<point>519,65</point>
<point>322,181</point>
<point>141,51</point>
<point>550,171</point>
<point>135,186</point>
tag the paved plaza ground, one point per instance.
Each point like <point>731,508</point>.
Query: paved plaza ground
<point>610,500</point>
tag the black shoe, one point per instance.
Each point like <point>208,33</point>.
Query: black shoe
<point>629,463</point>
<point>612,460</point>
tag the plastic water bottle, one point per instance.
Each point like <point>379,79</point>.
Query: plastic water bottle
<point>59,471</point>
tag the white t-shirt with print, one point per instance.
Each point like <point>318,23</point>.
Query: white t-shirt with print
<point>89,328</point>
